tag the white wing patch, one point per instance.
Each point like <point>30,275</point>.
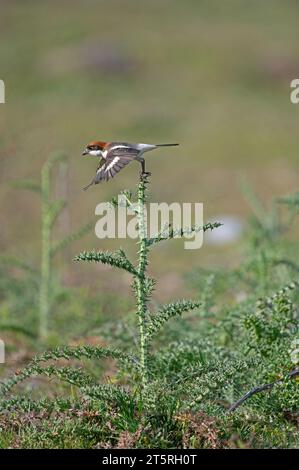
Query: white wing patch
<point>115,160</point>
<point>119,146</point>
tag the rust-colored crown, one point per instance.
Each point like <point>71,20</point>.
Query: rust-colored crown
<point>98,143</point>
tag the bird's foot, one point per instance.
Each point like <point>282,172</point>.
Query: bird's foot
<point>145,174</point>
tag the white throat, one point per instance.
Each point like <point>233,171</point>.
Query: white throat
<point>96,153</point>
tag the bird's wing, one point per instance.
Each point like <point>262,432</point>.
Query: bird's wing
<point>93,181</point>
<point>116,159</point>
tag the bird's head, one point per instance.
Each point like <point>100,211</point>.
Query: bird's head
<point>95,148</point>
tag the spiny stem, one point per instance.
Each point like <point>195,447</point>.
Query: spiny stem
<point>45,255</point>
<point>50,211</point>
<point>140,279</point>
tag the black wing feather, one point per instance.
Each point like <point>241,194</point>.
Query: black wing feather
<point>116,160</point>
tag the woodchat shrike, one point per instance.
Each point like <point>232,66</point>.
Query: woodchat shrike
<point>115,156</point>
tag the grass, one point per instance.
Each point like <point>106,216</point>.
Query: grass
<point>181,382</point>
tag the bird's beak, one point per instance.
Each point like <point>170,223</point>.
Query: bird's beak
<point>85,152</point>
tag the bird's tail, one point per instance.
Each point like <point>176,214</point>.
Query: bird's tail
<point>166,145</point>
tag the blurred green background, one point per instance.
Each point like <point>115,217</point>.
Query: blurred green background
<point>212,75</point>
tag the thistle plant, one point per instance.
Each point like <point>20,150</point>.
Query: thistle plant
<point>50,211</point>
<point>143,285</point>
<point>142,288</point>
<point>149,323</point>
<point>229,368</point>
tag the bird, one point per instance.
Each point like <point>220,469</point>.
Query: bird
<point>116,155</point>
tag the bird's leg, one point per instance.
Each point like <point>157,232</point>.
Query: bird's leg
<point>143,172</point>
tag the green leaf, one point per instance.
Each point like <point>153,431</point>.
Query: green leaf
<point>54,158</point>
<point>29,185</point>
<point>55,209</point>
<point>106,392</point>
<point>17,329</point>
<point>117,259</point>
<point>34,368</point>
<point>13,261</point>
<point>60,245</point>
<point>170,233</point>
<point>125,199</point>
<point>292,200</point>
<point>169,311</point>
